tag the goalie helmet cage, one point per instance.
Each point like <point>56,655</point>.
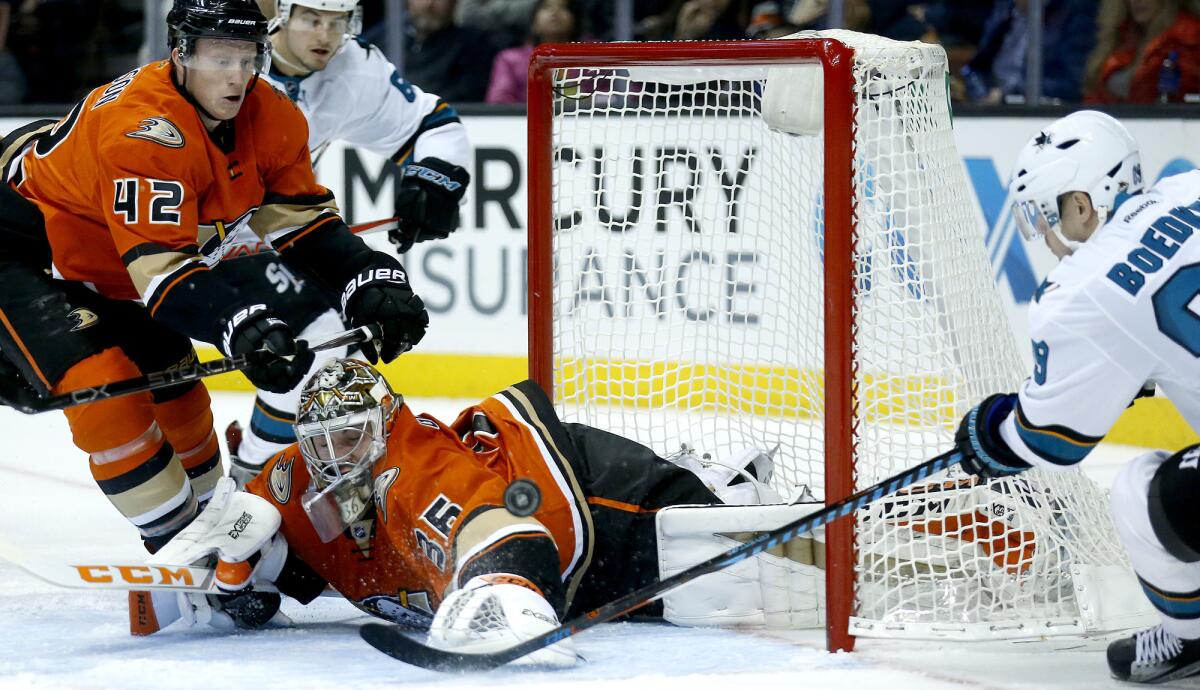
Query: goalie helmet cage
<point>771,243</point>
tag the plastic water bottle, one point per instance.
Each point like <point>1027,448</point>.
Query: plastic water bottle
<point>1168,77</point>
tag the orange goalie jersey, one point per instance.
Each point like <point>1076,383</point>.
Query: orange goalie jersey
<point>439,515</point>
<point>132,186</point>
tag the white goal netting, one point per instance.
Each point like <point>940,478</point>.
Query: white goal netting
<point>689,307</point>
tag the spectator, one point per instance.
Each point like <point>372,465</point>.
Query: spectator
<point>552,21</point>
<point>12,79</point>
<point>452,61</point>
<point>1146,50</point>
<point>997,71</point>
<point>507,20</point>
<point>59,56</point>
<point>766,21</point>
<point>695,20</point>
<point>707,20</point>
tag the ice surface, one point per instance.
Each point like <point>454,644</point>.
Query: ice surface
<point>55,638</point>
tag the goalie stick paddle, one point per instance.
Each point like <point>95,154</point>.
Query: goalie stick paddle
<point>171,377</point>
<point>391,641</point>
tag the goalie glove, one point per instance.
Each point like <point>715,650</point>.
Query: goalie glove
<point>985,454</point>
<point>494,612</point>
<point>427,202</point>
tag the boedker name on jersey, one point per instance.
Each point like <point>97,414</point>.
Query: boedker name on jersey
<point>1117,314</point>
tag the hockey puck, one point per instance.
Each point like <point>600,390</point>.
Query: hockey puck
<point>522,498</point>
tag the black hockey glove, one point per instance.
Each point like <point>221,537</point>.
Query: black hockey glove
<point>985,454</point>
<point>380,295</point>
<point>249,610</point>
<point>276,360</point>
<point>427,202</point>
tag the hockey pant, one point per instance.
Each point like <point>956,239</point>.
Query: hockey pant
<point>1157,515</point>
<point>154,455</point>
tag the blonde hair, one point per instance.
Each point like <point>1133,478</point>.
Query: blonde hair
<point>1111,18</point>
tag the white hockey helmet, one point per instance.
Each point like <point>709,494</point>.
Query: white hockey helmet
<point>283,11</point>
<point>1086,151</point>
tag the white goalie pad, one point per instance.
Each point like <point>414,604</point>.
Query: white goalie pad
<point>781,588</point>
<point>234,525</point>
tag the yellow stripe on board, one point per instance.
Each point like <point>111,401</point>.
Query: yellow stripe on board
<point>420,375</point>
<point>754,390</point>
<point>1153,423</point>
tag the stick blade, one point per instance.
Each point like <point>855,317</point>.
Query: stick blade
<point>389,640</point>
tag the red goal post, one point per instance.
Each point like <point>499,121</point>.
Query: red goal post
<point>835,60</point>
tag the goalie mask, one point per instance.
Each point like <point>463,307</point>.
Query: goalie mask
<point>345,410</point>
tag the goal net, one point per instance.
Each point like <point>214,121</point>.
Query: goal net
<point>772,243</point>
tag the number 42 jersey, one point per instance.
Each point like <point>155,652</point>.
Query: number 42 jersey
<point>1120,313</point>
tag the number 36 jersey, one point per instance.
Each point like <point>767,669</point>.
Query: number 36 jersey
<point>1119,314</point>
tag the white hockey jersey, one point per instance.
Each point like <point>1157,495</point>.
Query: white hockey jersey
<point>1120,313</point>
<point>361,99</point>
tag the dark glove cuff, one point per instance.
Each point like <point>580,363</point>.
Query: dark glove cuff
<point>979,437</point>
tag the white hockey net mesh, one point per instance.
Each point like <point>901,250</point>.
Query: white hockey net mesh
<point>687,308</point>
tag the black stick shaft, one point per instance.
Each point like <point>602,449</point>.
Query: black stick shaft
<point>390,641</point>
<point>171,377</point>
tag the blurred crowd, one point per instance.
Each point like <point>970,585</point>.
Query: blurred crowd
<point>1094,51</point>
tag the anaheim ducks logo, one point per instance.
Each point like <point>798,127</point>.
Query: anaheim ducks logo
<point>383,484</point>
<point>160,130</point>
<point>83,318</point>
<point>279,483</point>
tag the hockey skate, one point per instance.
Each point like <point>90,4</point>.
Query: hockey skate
<point>1153,656</point>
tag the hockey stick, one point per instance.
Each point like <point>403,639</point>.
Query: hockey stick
<point>241,251</point>
<point>171,377</point>
<point>389,640</point>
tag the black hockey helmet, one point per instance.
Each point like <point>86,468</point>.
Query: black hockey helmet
<point>242,20</point>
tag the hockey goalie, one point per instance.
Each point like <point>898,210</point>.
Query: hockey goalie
<point>414,521</point>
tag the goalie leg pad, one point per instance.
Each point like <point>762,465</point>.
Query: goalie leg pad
<point>235,525</point>
<point>1149,514</point>
<point>781,588</point>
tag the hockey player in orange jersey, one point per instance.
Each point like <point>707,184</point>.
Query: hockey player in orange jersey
<point>111,219</point>
<point>406,516</point>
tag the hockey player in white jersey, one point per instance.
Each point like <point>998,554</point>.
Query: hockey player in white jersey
<point>1117,315</point>
<point>348,91</point>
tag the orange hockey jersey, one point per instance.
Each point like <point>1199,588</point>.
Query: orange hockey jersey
<point>132,186</point>
<point>439,516</point>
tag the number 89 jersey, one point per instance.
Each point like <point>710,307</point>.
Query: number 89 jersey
<point>1120,313</point>
<point>132,186</point>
